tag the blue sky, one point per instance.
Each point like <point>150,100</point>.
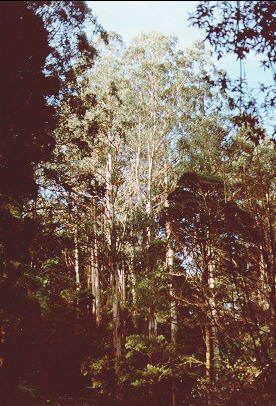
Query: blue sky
<point>129,18</point>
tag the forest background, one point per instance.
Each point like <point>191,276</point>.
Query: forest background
<point>136,196</point>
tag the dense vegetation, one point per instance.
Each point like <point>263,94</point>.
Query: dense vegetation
<point>136,231</point>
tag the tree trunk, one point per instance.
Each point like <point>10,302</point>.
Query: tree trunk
<point>173,304</point>
<point>133,282</point>
<point>209,361</point>
<point>211,333</point>
<point>209,352</point>
<point>95,285</point>
<point>133,286</point>
<point>114,276</point>
<point>213,317</point>
<point>152,323</point>
<point>122,285</point>
<point>116,318</point>
<point>94,269</point>
<point>76,260</point>
<point>263,291</point>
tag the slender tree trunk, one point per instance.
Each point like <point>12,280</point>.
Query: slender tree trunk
<point>212,350</point>
<point>114,275</point>
<point>213,311</point>
<point>173,304</point>
<point>122,285</point>
<point>77,271</point>
<point>263,291</point>
<point>137,163</point>
<point>94,269</point>
<point>76,260</point>
<point>95,284</point>
<point>133,290</point>
<point>174,321</point>
<point>152,323</point>
<point>173,308</point>
<point>123,297</point>
<point>211,333</point>
<point>209,352</point>
<point>133,286</point>
<point>209,360</point>
<point>116,318</point>
<point>66,260</point>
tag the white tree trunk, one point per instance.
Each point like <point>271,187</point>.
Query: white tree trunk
<point>117,342</point>
<point>94,269</point>
<point>173,304</point>
<point>114,275</point>
<point>76,260</point>
<point>211,333</point>
<point>95,284</point>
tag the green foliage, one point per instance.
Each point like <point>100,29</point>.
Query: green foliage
<point>238,27</point>
<point>141,351</point>
<point>241,28</point>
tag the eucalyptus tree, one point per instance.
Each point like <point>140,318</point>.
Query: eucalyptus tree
<point>163,87</point>
<point>167,98</point>
<point>88,168</point>
<point>109,168</point>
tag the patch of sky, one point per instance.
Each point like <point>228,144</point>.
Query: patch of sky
<point>129,18</point>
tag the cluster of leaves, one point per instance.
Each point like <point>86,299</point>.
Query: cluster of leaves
<point>238,27</point>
